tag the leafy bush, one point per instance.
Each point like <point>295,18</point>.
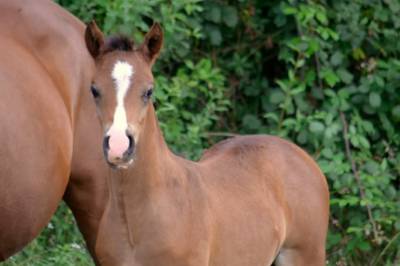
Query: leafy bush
<point>189,104</point>
<point>324,74</point>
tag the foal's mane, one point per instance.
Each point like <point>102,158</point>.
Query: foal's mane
<point>118,43</point>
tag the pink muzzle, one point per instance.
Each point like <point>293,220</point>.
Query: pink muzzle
<point>118,145</point>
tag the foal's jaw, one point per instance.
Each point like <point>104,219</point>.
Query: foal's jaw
<point>120,165</point>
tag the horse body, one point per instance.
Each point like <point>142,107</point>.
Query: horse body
<point>241,204</point>
<point>44,66</point>
<point>248,201</point>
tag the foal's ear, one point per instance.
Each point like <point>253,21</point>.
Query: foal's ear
<point>94,39</point>
<point>153,42</point>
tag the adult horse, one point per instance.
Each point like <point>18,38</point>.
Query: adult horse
<point>248,201</point>
<point>45,71</point>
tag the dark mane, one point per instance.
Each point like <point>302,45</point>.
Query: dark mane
<point>118,43</point>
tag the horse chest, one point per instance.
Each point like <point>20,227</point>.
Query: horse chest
<point>169,258</point>
<point>163,233</point>
<point>168,246</point>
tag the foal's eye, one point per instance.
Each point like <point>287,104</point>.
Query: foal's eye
<point>147,94</point>
<point>95,92</point>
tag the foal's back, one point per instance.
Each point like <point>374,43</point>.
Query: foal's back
<point>39,86</point>
<point>265,192</point>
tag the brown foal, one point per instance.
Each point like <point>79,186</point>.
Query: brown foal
<point>249,201</point>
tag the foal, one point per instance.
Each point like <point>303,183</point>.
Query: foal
<point>248,201</point>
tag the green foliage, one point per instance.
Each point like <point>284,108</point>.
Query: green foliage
<point>336,80</point>
<point>320,73</point>
<point>180,20</point>
<point>189,104</point>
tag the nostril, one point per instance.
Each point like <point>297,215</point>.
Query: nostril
<point>106,143</point>
<point>130,141</point>
<point>131,144</point>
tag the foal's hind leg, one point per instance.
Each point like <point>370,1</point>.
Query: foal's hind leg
<point>301,257</point>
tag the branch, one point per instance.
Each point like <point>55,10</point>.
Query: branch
<point>318,67</point>
<point>356,174</point>
<point>221,134</point>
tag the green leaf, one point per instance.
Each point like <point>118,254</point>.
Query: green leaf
<point>358,54</point>
<point>330,77</point>
<point>277,96</point>
<point>215,36</point>
<point>396,111</point>
<point>375,99</point>
<point>334,238</point>
<point>355,141</point>
<point>214,14</point>
<point>272,116</point>
<point>364,142</point>
<point>283,84</point>
<point>230,16</point>
<point>345,75</point>
<point>321,17</point>
<point>365,246</point>
<point>313,46</point>
<point>302,137</point>
<point>309,77</point>
<point>288,10</point>
<point>251,122</point>
<point>337,58</point>
<point>379,81</point>
<point>327,153</point>
<point>316,127</point>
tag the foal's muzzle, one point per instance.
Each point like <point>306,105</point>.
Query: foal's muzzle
<point>119,149</point>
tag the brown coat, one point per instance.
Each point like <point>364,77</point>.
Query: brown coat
<point>44,68</point>
<point>249,200</point>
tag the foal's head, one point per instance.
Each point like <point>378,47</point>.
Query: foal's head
<point>122,88</point>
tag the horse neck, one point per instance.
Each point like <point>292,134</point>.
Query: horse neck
<point>153,155</point>
<point>152,165</point>
<point>133,188</point>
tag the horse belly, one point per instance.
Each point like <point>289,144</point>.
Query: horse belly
<point>249,231</point>
<point>35,154</point>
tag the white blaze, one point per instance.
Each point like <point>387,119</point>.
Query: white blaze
<point>119,143</point>
<point>121,74</point>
